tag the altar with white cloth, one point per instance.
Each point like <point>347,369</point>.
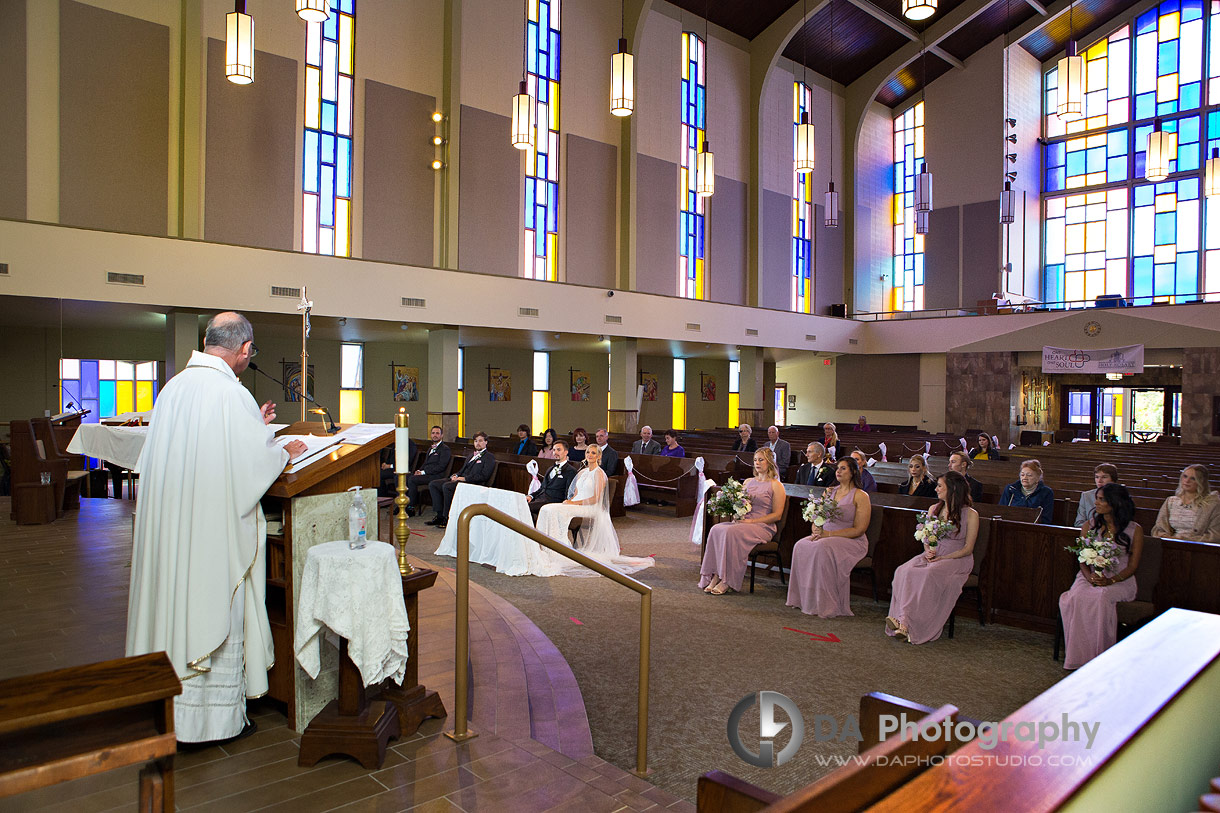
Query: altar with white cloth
<point>120,445</point>
<point>492,544</point>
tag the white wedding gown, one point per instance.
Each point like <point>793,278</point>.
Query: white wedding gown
<point>598,538</point>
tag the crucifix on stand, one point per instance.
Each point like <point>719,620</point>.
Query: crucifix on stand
<point>304,306</point>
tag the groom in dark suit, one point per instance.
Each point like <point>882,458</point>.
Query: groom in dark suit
<point>477,471</point>
<point>556,481</point>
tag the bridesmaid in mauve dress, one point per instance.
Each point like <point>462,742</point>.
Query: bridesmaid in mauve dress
<point>926,587</point>
<point>729,543</point>
<point>1090,619</point>
<point>820,583</point>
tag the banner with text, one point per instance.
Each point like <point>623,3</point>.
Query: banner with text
<point>1109,360</point>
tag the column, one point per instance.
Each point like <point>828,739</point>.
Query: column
<point>444,379</point>
<point>42,111</point>
<point>624,415</point>
<point>753,400</point>
<point>181,337</point>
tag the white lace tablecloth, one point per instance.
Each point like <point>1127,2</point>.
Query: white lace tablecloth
<point>357,595</point>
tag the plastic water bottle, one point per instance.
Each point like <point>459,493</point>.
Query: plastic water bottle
<point>357,521</point>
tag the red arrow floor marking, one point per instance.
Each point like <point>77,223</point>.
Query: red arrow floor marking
<point>829,638</point>
<point>576,621</point>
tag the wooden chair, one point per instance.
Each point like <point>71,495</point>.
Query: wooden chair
<point>974,580</point>
<point>770,550</point>
<point>33,501</point>
<point>576,523</point>
<point>865,565</point>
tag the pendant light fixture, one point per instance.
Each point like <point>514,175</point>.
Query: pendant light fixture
<point>622,72</point>
<point>1070,103</point>
<point>830,206</point>
<point>705,162</point>
<point>804,159</point>
<point>523,104</point>
<point>1008,204</point>
<point>1162,148</point>
<point>923,181</point>
<point>921,222</point>
<point>1211,175</point>
<point>313,11</point>
<point>1008,198</point>
<point>239,45</point>
<point>918,9</point>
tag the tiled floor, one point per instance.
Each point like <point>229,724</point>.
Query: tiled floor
<point>63,601</point>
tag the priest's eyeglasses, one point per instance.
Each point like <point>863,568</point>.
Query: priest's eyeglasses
<point>253,349</point>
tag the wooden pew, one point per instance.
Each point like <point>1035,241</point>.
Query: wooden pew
<point>50,437</point>
<point>33,501</point>
<point>70,723</point>
<point>669,478</point>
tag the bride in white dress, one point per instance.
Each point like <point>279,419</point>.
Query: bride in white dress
<point>590,500</point>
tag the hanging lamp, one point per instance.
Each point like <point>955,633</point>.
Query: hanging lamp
<point>313,11</point>
<point>523,104</point>
<point>705,162</point>
<point>1008,204</point>
<point>1070,103</point>
<point>1162,148</point>
<point>1211,175</point>
<point>1008,198</point>
<point>921,222</point>
<point>622,72</point>
<point>923,181</point>
<point>804,159</point>
<point>239,45</point>
<point>918,9</point>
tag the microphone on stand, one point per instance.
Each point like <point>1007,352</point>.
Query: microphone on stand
<point>331,429</point>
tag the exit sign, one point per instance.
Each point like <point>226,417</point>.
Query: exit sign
<point>825,362</point>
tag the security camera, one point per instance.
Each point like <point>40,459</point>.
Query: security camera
<point>609,293</point>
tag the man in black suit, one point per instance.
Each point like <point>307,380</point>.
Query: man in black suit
<point>555,482</point>
<point>816,471</point>
<point>646,445</point>
<point>960,462</point>
<point>477,471</point>
<point>524,445</point>
<point>436,464</point>
<point>609,456</point>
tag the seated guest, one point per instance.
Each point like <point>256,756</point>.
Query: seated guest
<point>820,583</point>
<point>1104,473</point>
<point>1090,618</point>
<point>831,441</point>
<point>927,587</point>
<point>555,481</point>
<point>781,449</point>
<point>671,447</point>
<point>1193,512</point>
<point>867,482</point>
<point>862,425</point>
<point>609,460</point>
<point>436,463</point>
<point>919,483</point>
<point>729,543</point>
<point>477,471</point>
<point>646,445</point>
<point>985,450</point>
<point>580,442</point>
<point>525,444</point>
<point>548,444</point>
<point>815,471</point>
<point>389,480</point>
<point>745,443</point>
<point>960,462</point>
<point>1030,492</point>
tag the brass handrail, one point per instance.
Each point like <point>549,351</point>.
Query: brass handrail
<point>462,638</point>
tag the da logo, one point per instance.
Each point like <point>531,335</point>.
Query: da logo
<point>768,728</point>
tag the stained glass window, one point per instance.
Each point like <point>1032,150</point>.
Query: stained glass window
<point>542,159</point>
<point>106,387</point>
<point>330,67</point>
<point>905,282</point>
<point>802,212</point>
<point>1113,232</point>
<point>692,265</point>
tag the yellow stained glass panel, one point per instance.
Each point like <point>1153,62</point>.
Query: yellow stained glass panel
<point>351,406</point>
<point>734,408</point>
<point>1167,87</point>
<point>347,43</point>
<point>144,396</point>
<point>679,410</point>
<point>541,412</point>
<point>124,400</point>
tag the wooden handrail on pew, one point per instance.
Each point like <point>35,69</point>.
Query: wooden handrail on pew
<point>1152,694</point>
<point>70,723</point>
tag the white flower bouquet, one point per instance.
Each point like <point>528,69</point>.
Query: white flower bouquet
<point>732,500</point>
<point>820,510</point>
<point>930,530</point>
<point>1095,549</point>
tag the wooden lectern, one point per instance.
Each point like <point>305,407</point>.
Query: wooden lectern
<point>313,508</point>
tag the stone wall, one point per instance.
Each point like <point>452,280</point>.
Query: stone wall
<point>979,391</point>
<point>1200,388</point>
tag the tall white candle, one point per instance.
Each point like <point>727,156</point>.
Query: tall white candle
<point>402,462</point>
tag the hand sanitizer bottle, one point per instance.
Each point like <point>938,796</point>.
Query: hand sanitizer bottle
<point>357,521</point>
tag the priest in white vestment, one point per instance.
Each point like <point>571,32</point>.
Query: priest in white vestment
<point>198,570</point>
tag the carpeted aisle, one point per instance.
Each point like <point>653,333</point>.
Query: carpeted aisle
<point>708,652</point>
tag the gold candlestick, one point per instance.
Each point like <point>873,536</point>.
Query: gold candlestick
<point>401,531</point>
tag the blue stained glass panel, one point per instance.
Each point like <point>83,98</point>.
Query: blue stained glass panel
<point>326,213</point>
<point>106,399</point>
<point>330,28</point>
<point>88,379</point>
<point>310,173</point>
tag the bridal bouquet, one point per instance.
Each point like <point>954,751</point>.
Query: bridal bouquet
<point>732,500</point>
<point>1096,550</point>
<point>820,510</point>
